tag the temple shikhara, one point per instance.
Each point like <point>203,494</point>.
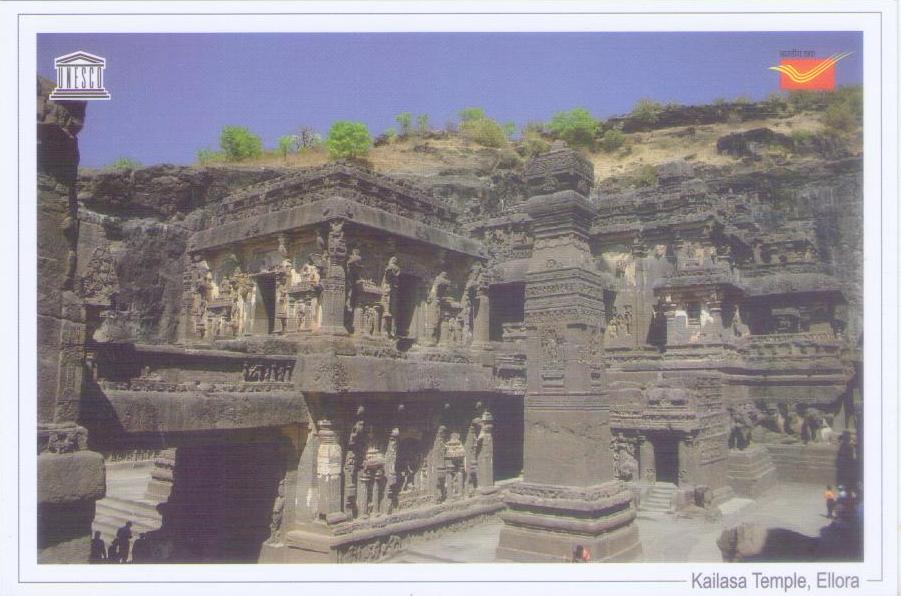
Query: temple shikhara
<point>348,364</point>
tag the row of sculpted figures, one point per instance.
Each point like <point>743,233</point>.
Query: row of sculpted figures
<point>409,462</point>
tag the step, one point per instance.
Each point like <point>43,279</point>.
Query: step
<point>128,508</point>
<point>124,516</point>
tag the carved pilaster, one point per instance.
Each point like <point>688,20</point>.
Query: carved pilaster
<point>334,284</point>
<point>329,471</point>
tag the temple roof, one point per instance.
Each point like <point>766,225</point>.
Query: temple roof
<point>340,179</point>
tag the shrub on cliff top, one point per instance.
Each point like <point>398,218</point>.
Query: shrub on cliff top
<point>481,129</point>
<point>238,143</point>
<point>646,111</point>
<point>287,144</point>
<point>125,163</point>
<point>577,127</point>
<point>612,140</point>
<point>347,139</point>
<point>405,121</point>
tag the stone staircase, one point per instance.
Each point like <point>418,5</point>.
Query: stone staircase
<point>112,513</point>
<point>659,498</point>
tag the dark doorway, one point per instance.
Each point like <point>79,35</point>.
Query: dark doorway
<point>666,459</point>
<point>406,303</point>
<point>508,436</point>
<point>221,503</point>
<point>264,311</point>
<point>507,306</point>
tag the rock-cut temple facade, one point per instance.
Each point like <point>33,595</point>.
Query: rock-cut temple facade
<point>356,365</point>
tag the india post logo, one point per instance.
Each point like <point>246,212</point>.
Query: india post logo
<point>808,73</point>
<point>79,76</point>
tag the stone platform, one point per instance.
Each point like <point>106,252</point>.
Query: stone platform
<point>544,523</point>
<point>751,471</point>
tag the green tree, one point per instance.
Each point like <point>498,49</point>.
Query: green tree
<point>238,143</point>
<point>472,114</point>
<point>422,124</point>
<point>287,144</point>
<point>347,139</point>
<point>478,127</point>
<point>125,163</point>
<point>405,122</point>
<point>509,129</point>
<point>576,127</point>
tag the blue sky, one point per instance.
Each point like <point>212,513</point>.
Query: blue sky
<point>173,93</point>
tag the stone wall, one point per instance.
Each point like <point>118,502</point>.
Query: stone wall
<point>70,478</point>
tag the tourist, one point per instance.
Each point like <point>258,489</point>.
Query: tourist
<point>577,553</point>
<point>123,535</point>
<point>830,501</point>
<point>98,549</point>
<point>140,550</point>
<point>112,555</point>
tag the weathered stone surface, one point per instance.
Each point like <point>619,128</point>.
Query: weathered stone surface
<point>163,191</point>
<point>71,477</point>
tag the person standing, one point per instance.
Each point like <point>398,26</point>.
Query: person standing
<point>830,501</point>
<point>139,552</point>
<point>112,555</point>
<point>98,549</point>
<point>123,535</point>
<point>842,505</point>
<point>577,554</point>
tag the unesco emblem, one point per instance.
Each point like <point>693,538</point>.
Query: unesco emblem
<point>79,76</point>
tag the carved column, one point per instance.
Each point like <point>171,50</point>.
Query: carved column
<point>329,471</point>
<point>481,321</point>
<point>570,495</point>
<point>486,451</point>
<point>334,284</point>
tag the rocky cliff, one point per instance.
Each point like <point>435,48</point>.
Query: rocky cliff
<point>786,161</point>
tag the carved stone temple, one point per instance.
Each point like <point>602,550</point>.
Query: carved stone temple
<point>347,364</point>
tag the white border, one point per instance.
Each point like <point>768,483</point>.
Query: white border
<point>881,276</point>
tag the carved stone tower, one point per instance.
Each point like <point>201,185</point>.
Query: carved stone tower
<point>569,496</point>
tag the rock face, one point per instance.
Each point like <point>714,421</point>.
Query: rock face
<point>70,478</point>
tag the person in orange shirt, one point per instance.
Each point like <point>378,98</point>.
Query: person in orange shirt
<point>830,501</point>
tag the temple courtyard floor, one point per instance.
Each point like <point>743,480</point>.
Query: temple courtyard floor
<point>664,537</point>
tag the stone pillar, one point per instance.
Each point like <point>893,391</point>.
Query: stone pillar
<point>713,329</point>
<point>161,477</point>
<point>334,284</point>
<point>486,452</point>
<point>70,478</point>
<point>570,495</point>
<point>329,462</point>
<point>482,322</point>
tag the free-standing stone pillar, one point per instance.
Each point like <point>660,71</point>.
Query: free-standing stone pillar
<point>569,495</point>
<point>334,284</point>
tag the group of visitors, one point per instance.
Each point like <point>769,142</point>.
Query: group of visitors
<point>840,502</point>
<point>581,554</point>
<point>120,547</point>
